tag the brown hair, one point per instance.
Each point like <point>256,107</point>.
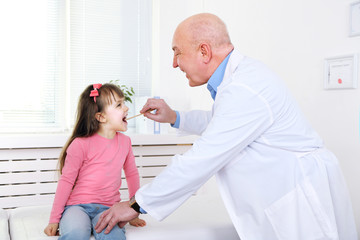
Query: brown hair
<point>86,124</point>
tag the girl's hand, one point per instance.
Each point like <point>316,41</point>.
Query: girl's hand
<point>137,222</point>
<point>52,229</point>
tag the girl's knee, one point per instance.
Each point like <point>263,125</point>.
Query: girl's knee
<point>75,235</point>
<point>75,224</point>
<point>116,233</point>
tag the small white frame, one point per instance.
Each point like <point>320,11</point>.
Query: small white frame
<point>354,19</point>
<point>341,68</point>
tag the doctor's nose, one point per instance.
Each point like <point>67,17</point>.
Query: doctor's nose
<point>175,63</point>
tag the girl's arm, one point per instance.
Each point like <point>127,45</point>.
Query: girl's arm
<point>131,172</point>
<point>73,162</point>
<point>52,229</point>
<point>137,222</point>
<point>133,181</point>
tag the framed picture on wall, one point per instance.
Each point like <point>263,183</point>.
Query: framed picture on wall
<point>340,72</point>
<point>355,19</point>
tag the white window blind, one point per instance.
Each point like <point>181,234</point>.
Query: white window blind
<point>50,51</point>
<point>32,64</point>
<point>110,40</point>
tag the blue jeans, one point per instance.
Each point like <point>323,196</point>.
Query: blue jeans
<point>78,222</point>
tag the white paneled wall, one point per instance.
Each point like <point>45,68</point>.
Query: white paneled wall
<point>28,175</point>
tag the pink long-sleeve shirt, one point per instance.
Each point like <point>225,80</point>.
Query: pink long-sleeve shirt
<point>92,173</point>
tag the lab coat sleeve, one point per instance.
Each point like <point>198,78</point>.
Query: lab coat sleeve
<point>241,115</point>
<point>194,122</point>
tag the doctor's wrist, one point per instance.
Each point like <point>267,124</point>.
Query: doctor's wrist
<point>176,123</point>
<point>173,117</point>
<point>135,206</point>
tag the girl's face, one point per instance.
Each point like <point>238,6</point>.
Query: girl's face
<point>115,115</point>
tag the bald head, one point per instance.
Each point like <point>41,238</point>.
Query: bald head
<point>200,43</point>
<point>205,27</point>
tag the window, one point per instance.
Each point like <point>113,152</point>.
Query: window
<point>53,51</point>
<point>110,41</point>
<point>32,64</point>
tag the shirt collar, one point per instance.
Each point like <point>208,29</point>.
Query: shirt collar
<point>217,77</point>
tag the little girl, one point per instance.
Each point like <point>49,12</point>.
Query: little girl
<point>91,164</point>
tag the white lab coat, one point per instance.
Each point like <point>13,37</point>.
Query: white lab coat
<point>276,178</point>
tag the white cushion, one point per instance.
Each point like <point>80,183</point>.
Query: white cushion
<point>201,217</point>
<point>180,231</point>
<point>28,223</point>
<point>4,230</point>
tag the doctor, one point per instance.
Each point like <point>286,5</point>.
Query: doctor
<point>276,178</point>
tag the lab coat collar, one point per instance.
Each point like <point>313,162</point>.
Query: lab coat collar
<point>233,63</point>
<point>217,77</point>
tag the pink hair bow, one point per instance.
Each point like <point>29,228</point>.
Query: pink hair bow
<point>95,93</point>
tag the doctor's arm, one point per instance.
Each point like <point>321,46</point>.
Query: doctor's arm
<point>192,122</point>
<point>240,117</point>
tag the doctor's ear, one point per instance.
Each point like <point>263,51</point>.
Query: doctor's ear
<point>205,51</point>
<point>100,117</point>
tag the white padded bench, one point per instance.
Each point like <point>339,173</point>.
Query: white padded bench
<point>202,217</point>
<point>28,182</point>
<point>28,223</point>
<point>4,229</point>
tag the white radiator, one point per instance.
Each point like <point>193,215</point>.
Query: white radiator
<point>28,174</point>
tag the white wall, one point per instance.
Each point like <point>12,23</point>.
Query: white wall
<point>293,38</point>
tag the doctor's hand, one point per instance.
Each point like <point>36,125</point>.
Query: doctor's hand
<point>120,213</point>
<point>163,114</point>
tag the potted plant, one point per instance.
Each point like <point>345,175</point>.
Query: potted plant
<point>128,91</point>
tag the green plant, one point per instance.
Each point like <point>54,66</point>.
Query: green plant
<point>128,91</point>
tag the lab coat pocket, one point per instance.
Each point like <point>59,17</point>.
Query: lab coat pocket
<point>294,215</point>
